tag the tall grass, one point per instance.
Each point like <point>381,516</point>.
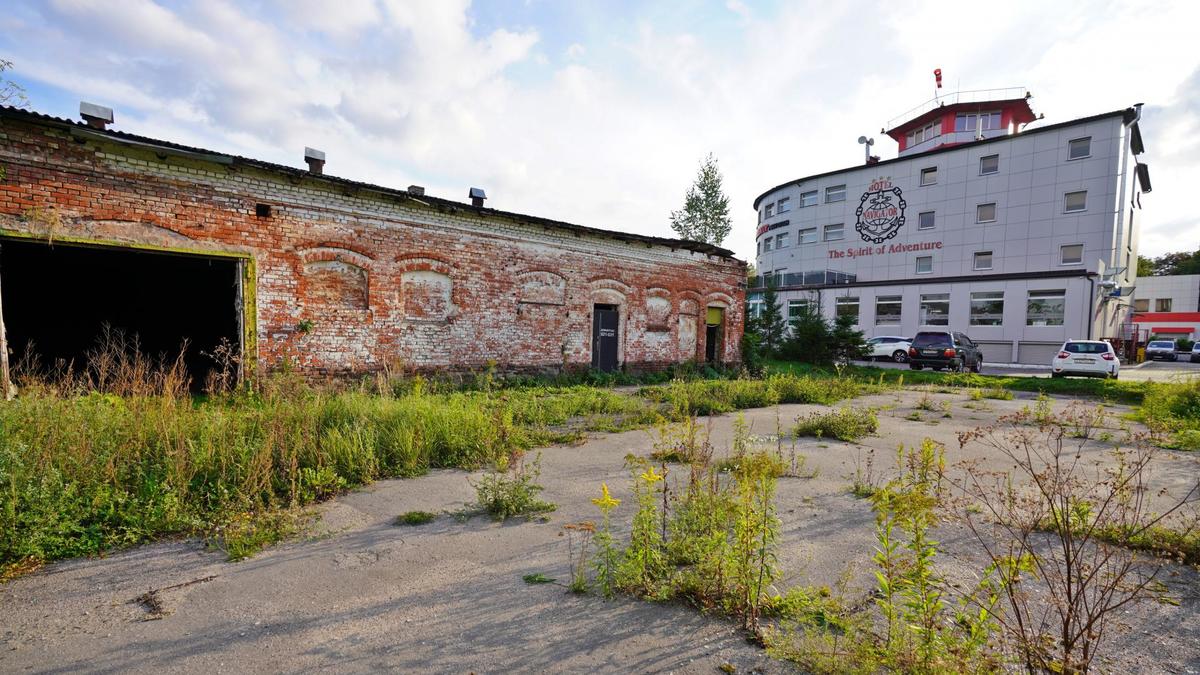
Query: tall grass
<point>120,452</point>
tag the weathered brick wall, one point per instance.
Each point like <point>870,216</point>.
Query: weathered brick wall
<point>383,281</point>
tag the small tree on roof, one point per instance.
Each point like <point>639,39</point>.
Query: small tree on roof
<point>705,213</point>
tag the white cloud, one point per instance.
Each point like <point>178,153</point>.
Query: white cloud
<point>399,92</point>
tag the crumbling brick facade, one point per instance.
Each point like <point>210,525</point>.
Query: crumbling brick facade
<point>352,278</point>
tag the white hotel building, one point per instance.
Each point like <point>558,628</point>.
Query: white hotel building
<point>1020,236</point>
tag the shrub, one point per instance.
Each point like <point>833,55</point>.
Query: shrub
<point>845,424</point>
<point>415,518</point>
<point>512,491</point>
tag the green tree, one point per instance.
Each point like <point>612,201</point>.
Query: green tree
<point>1174,263</point>
<point>772,329</point>
<point>1145,266</point>
<point>705,213</point>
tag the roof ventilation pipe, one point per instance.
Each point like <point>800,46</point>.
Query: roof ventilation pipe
<point>96,116</point>
<point>477,196</point>
<point>316,161</point>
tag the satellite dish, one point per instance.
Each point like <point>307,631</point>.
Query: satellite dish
<point>862,139</point>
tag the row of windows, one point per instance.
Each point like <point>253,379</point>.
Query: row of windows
<point>806,235</point>
<point>1073,202</point>
<point>1079,148</point>
<point>835,193</point>
<point>988,121</point>
<point>1160,305</point>
<point>1069,254</point>
<point>1042,308</point>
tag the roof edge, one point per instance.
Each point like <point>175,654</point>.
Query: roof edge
<point>1124,112</point>
<point>202,154</point>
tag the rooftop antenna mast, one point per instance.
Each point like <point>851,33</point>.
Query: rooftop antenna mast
<point>866,143</point>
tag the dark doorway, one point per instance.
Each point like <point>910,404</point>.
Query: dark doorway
<point>605,322</point>
<point>58,298</point>
<point>714,334</point>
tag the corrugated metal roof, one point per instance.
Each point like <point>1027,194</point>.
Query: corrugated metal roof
<point>82,129</point>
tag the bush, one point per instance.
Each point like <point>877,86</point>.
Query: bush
<point>512,491</point>
<point>1183,345</point>
<point>845,424</point>
<point>815,340</point>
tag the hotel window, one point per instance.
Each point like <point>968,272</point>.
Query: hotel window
<point>887,310</point>
<point>1072,254</point>
<point>935,309</point>
<point>1162,305</point>
<point>808,198</point>
<point>987,308</point>
<point>797,309</point>
<point>808,235</point>
<point>929,175</point>
<point>835,193</point>
<point>783,205</point>
<point>931,130</point>
<point>970,121</point>
<point>754,308</point>
<point>1046,308</point>
<point>925,264</point>
<point>781,240</point>
<point>1074,202</point>
<point>1141,305</point>
<point>770,210</point>
<point>989,164</point>
<point>835,232</point>
<point>985,213</point>
<point>1079,148</point>
<point>766,244</point>
<point>847,307</point>
<point>925,220</point>
<point>983,260</point>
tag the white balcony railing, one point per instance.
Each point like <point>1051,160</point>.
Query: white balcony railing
<point>971,96</point>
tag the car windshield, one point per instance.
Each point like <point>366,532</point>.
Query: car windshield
<point>1161,344</point>
<point>1087,347</point>
<point>932,340</point>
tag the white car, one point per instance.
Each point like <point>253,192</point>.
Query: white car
<point>888,347</point>
<point>1087,358</point>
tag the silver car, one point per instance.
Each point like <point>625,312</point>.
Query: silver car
<point>1160,350</point>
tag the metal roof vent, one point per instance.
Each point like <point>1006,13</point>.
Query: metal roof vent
<point>315,159</point>
<point>477,196</point>
<point>96,116</point>
<point>416,190</point>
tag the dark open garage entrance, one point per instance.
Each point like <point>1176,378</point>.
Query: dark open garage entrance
<point>59,297</point>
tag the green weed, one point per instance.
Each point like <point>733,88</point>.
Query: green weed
<point>511,490</point>
<point>414,518</point>
<point>845,424</point>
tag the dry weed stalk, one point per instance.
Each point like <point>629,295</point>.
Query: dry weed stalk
<point>1065,521</point>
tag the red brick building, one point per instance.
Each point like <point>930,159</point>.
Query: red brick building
<point>172,242</point>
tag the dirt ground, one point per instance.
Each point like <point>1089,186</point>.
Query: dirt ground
<point>362,594</point>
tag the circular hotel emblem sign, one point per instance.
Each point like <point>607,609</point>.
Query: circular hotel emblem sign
<point>881,212</point>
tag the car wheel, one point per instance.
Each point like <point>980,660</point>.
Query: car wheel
<point>899,356</point>
<point>1056,375</point>
<point>978,367</point>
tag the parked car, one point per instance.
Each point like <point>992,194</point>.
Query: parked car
<point>889,347</point>
<point>1196,352</point>
<point>944,349</point>
<point>1160,350</point>
<point>1087,358</point>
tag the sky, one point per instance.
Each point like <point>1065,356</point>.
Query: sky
<point>598,112</point>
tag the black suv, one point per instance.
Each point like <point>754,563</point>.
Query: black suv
<point>944,349</point>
